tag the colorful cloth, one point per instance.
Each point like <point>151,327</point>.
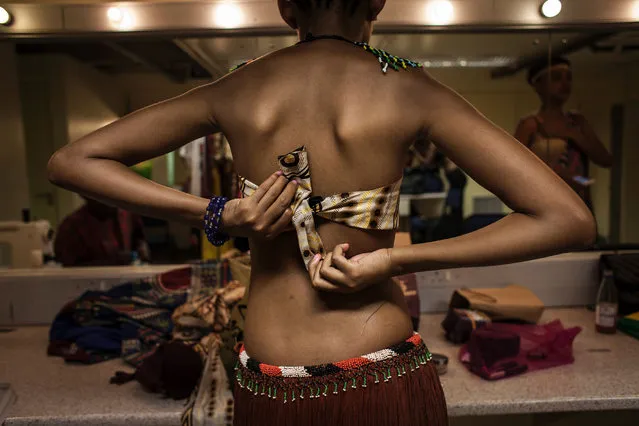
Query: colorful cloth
<point>630,325</point>
<point>128,321</point>
<point>395,386</point>
<point>372,209</point>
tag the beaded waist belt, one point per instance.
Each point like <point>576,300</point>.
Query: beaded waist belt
<point>291,382</point>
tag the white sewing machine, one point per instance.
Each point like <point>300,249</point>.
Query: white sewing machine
<point>22,245</point>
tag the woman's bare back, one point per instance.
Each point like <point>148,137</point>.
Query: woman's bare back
<point>333,99</point>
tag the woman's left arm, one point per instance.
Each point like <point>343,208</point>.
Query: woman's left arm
<point>97,166</point>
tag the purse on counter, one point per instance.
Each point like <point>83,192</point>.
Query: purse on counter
<point>500,350</point>
<point>510,303</point>
<point>460,323</point>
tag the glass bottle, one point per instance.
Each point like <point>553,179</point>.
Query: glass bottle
<point>607,304</point>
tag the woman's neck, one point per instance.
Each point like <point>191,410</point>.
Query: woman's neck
<point>552,110</point>
<point>333,24</point>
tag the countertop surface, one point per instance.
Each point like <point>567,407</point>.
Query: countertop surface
<point>96,272</point>
<point>603,377</point>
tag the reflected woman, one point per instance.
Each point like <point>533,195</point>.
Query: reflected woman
<point>563,140</point>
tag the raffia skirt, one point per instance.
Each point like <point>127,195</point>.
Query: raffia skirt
<point>396,386</point>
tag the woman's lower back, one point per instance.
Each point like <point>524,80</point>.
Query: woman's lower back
<point>290,323</point>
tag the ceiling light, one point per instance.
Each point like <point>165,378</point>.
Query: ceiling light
<point>5,16</point>
<point>477,62</point>
<point>228,15</point>
<point>121,18</point>
<point>551,8</point>
<point>440,12</point>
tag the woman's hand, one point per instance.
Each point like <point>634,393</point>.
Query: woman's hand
<point>336,273</point>
<point>265,214</point>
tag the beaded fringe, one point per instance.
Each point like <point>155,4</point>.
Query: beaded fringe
<point>387,60</point>
<point>291,390</point>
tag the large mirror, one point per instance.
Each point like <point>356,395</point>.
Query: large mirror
<point>68,88</point>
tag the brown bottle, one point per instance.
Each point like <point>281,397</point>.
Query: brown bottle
<point>607,305</point>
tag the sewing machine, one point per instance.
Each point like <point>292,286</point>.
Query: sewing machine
<point>22,245</point>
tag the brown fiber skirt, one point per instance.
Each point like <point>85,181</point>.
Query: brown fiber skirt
<point>397,386</point>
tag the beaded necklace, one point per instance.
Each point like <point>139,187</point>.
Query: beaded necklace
<point>385,59</point>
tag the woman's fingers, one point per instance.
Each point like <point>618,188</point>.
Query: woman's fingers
<point>317,281</point>
<point>342,263</point>
<point>282,224</point>
<point>274,191</point>
<point>265,186</point>
<point>280,205</point>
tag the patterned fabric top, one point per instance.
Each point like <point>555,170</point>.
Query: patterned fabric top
<point>372,209</point>
<point>325,369</point>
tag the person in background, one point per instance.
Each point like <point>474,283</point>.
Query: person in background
<point>100,235</point>
<point>565,141</point>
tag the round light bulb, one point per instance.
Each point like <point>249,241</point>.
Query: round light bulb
<point>440,12</point>
<point>127,22</point>
<point>114,14</point>
<point>120,18</point>
<point>228,16</point>
<point>5,16</point>
<point>551,8</point>
<point>463,63</point>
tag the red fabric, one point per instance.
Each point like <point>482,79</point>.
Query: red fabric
<point>83,239</point>
<point>176,279</point>
<point>501,350</point>
<point>415,399</point>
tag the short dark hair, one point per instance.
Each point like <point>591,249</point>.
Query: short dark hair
<point>543,65</point>
<point>349,6</point>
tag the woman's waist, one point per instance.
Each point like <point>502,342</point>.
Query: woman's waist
<point>293,323</point>
<point>411,345</point>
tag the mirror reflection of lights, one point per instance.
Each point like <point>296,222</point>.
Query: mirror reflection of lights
<point>120,18</point>
<point>228,15</point>
<point>440,12</point>
<point>551,8</point>
<point>478,62</point>
<point>5,16</point>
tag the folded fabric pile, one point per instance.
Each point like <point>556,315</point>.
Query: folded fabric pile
<point>128,321</point>
<point>174,368</point>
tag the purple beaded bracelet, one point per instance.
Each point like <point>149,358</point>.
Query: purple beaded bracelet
<point>213,221</point>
